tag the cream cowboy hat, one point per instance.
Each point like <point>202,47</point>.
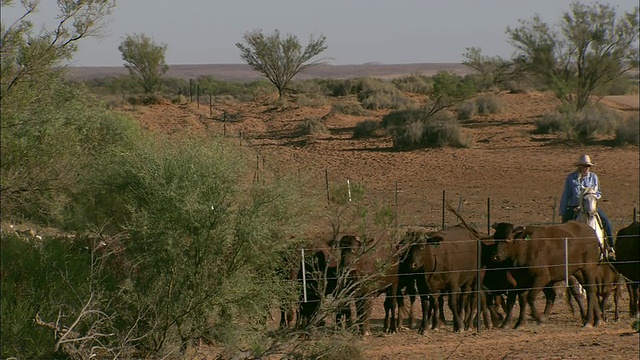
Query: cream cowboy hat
<point>584,160</point>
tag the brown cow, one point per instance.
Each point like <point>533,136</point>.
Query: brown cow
<point>628,262</point>
<point>369,270</point>
<point>447,261</point>
<point>537,257</point>
<point>609,282</point>
<point>499,277</point>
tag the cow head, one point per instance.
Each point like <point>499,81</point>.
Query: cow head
<point>351,247</point>
<point>504,236</point>
<point>419,253</point>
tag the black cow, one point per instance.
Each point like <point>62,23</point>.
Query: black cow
<point>628,262</point>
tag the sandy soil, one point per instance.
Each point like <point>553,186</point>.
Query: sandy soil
<point>519,173</point>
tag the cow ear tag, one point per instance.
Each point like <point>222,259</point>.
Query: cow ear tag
<point>527,237</point>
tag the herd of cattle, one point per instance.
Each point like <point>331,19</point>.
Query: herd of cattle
<point>514,263</point>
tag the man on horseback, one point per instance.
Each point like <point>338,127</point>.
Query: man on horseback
<point>574,183</point>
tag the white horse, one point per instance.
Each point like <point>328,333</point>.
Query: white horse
<point>588,213</point>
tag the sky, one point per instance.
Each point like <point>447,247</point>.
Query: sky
<point>356,31</point>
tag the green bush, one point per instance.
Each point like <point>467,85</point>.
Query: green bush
<point>628,131</point>
<point>366,129</point>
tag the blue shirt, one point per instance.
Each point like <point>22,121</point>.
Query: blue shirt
<point>573,184</point>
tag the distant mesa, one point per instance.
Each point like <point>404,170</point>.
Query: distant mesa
<point>373,63</point>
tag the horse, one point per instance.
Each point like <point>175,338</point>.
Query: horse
<point>588,213</point>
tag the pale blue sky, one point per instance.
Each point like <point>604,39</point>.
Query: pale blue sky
<point>357,31</point>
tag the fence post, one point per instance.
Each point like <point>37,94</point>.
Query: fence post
<point>304,278</point>
<point>443,199</point>
<point>488,215</point>
<point>479,287</point>
<point>566,261</point>
<point>190,91</point>
<point>326,180</point>
<point>396,202</point>
<point>198,95</point>
<point>210,106</point>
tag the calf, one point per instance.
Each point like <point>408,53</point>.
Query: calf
<point>608,282</point>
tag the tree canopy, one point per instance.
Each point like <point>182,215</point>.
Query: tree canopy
<point>25,54</point>
<point>588,49</point>
<point>145,60</point>
<point>279,59</point>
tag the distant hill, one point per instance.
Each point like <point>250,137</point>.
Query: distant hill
<point>242,72</point>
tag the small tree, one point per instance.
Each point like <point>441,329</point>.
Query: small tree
<point>279,59</point>
<point>593,47</point>
<point>145,60</point>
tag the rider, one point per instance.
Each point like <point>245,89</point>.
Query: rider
<point>570,199</point>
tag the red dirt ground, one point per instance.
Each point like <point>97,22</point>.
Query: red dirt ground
<point>519,172</point>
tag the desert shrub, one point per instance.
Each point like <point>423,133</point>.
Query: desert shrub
<point>488,104</point>
<point>366,129</point>
<point>348,107</point>
<point>418,84</point>
<point>552,123</point>
<point>179,99</point>
<point>467,110</point>
<point>145,99</point>
<point>399,118</point>
<point>628,130</point>
<point>311,88</point>
<point>307,100</point>
<point>313,126</point>
<point>416,130</point>
<point>375,94</point>
<point>582,126</point>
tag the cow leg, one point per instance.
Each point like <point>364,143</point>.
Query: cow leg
<point>511,301</point>
<point>523,309</point>
<point>390,305</point>
<point>604,300</point>
<point>496,317</point>
<point>594,315</point>
<point>574,291</point>
<point>550,295</point>
<point>363,311</point>
<point>424,300</point>
<point>441,319</point>
<point>454,296</point>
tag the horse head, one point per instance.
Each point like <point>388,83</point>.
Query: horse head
<point>588,201</point>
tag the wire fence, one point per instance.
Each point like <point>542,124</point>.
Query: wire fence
<point>559,269</point>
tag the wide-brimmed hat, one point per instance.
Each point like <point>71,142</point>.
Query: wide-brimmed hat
<point>584,160</point>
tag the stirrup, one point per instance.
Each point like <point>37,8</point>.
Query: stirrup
<point>611,255</point>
